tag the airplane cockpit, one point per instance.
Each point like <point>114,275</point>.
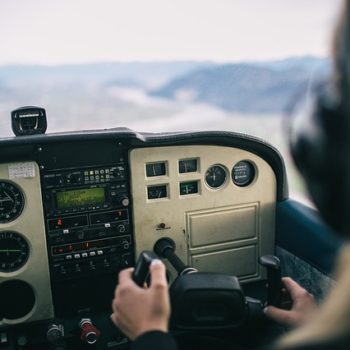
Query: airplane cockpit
<point>135,130</point>
<point>78,207</point>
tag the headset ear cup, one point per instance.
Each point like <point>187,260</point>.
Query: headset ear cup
<point>316,148</point>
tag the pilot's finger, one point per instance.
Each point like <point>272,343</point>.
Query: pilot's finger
<point>293,287</point>
<point>113,318</point>
<point>125,276</point>
<point>279,315</point>
<point>158,276</point>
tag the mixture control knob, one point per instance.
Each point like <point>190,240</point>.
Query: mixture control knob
<point>89,333</point>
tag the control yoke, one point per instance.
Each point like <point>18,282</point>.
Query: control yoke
<point>202,300</point>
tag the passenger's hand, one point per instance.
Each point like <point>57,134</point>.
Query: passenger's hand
<point>138,310</point>
<point>303,306</point>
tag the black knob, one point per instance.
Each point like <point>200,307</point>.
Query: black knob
<point>165,248</point>
<point>142,267</point>
<point>274,279</point>
<point>55,333</point>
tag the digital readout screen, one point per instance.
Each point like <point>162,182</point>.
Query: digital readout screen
<point>83,246</point>
<point>110,216</point>
<point>80,198</point>
<point>63,223</point>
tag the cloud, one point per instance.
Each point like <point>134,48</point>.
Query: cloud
<point>54,32</point>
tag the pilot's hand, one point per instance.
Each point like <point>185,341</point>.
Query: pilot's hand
<point>303,306</point>
<point>138,310</point>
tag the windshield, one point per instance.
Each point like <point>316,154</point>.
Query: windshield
<point>163,65</point>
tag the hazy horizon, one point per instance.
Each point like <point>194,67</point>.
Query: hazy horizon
<point>160,61</point>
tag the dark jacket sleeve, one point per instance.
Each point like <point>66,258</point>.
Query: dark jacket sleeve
<point>154,340</point>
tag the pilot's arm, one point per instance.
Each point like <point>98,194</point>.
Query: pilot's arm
<point>143,313</point>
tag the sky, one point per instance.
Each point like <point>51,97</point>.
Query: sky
<point>86,31</point>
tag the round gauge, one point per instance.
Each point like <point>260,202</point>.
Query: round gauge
<point>11,202</point>
<point>14,251</point>
<point>243,173</point>
<point>215,176</point>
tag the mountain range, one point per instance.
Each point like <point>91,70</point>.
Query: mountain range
<point>247,87</point>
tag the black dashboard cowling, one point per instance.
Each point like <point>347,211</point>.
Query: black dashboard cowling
<point>207,301</point>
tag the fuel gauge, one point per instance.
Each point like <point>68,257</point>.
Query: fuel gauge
<point>157,192</point>
<point>190,187</point>
<point>188,165</point>
<point>155,169</point>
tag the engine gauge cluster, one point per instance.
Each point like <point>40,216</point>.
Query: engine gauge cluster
<point>11,202</point>
<point>188,179</point>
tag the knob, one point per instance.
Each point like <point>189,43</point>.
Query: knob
<point>22,340</point>
<point>126,244</point>
<point>123,199</point>
<point>165,248</point>
<point>274,279</point>
<point>55,333</point>
<point>89,333</point>
<point>73,178</point>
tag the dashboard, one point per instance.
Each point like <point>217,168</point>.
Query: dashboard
<point>76,208</point>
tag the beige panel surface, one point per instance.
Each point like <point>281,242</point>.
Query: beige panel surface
<point>226,224</point>
<point>169,217</point>
<point>30,224</point>
<point>239,261</point>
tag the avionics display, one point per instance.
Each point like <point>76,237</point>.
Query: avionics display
<point>80,198</point>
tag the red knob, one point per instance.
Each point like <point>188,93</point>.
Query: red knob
<point>89,333</point>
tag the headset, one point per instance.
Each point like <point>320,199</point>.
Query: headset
<point>319,139</point>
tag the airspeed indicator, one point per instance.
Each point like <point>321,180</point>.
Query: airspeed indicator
<point>11,202</point>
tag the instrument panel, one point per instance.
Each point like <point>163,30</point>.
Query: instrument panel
<point>75,210</point>
<point>216,203</point>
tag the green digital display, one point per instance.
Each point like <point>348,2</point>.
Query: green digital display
<point>80,198</point>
